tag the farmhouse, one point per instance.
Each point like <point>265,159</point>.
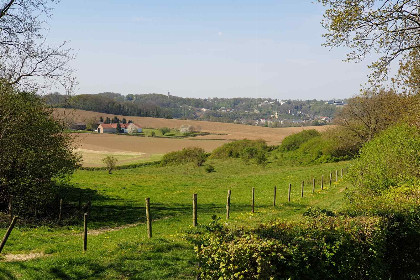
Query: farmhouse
<point>125,128</point>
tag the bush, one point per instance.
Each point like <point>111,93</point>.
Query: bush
<point>318,248</point>
<point>209,168</point>
<point>293,142</point>
<point>196,155</point>
<point>164,130</point>
<point>390,159</point>
<point>308,147</point>
<point>247,150</point>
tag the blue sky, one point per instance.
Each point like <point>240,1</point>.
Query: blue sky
<point>218,48</point>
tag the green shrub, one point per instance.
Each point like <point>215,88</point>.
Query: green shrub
<point>247,150</point>
<point>194,154</point>
<point>391,159</point>
<point>306,148</point>
<point>164,130</point>
<point>318,248</point>
<point>293,142</point>
<point>209,168</point>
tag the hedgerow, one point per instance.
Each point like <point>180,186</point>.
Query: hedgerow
<point>247,150</point>
<point>194,154</point>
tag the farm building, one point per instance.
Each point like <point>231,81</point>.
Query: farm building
<point>125,127</point>
<point>78,126</point>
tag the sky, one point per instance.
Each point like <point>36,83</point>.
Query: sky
<point>217,48</point>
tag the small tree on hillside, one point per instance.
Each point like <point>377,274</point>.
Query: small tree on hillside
<point>164,130</point>
<point>110,162</point>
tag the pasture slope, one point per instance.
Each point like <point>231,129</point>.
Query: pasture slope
<point>118,247</point>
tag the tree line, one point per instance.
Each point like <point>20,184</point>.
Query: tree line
<point>240,110</point>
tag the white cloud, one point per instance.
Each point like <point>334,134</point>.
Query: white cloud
<point>220,33</point>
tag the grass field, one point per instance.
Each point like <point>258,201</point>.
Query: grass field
<point>118,247</point>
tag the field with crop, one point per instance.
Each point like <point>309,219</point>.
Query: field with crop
<point>118,247</point>
<point>132,149</point>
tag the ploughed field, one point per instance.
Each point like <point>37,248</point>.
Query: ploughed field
<point>130,149</point>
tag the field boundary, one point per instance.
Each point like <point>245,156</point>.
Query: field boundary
<point>126,166</point>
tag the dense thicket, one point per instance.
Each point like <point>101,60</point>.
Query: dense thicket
<point>194,154</point>
<point>35,153</point>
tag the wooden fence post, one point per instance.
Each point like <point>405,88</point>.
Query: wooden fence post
<point>341,172</point>
<point>9,230</point>
<point>195,210</point>
<point>85,231</point>
<point>60,210</point>
<point>330,179</point>
<point>275,194</point>
<point>303,185</point>
<point>148,218</point>
<point>336,175</point>
<point>228,204</point>
<point>253,200</point>
<point>313,185</point>
<point>322,182</point>
<point>290,190</point>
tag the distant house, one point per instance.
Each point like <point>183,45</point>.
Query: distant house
<point>125,127</point>
<point>78,126</point>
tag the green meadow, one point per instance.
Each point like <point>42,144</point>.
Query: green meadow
<point>118,247</point>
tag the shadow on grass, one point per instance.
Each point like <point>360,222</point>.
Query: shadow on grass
<point>157,259</point>
<point>109,211</point>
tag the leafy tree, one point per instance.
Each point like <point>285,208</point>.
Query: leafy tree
<point>110,162</point>
<point>119,130</point>
<point>36,155</point>
<point>107,120</point>
<point>368,114</point>
<point>390,28</point>
<point>101,119</point>
<point>124,120</point>
<point>164,130</point>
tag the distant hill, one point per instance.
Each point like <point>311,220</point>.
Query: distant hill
<point>253,111</point>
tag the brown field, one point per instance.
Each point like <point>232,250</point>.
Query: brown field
<point>142,148</point>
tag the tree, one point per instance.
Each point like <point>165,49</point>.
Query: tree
<point>119,128</point>
<point>164,130</point>
<point>36,155</point>
<point>110,162</point>
<point>368,114</point>
<point>391,28</point>
<point>25,58</point>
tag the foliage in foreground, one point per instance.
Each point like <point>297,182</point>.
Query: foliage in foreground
<point>320,247</point>
<point>193,154</point>
<point>35,154</point>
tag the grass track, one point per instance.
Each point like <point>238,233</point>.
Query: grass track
<point>118,200</point>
